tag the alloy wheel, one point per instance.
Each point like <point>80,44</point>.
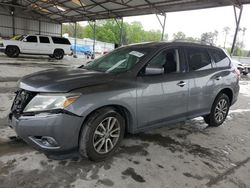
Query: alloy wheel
<point>221,110</point>
<point>106,135</point>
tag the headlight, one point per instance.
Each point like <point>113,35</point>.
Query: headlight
<point>43,102</point>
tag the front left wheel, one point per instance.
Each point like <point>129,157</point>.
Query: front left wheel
<point>102,134</point>
<point>12,51</point>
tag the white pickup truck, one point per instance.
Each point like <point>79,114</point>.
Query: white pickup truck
<point>54,46</point>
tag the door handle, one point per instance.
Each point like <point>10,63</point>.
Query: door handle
<point>181,84</point>
<point>218,78</point>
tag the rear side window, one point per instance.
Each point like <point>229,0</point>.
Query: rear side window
<point>60,40</point>
<point>198,59</point>
<point>220,58</point>
<point>44,39</point>
<point>31,39</point>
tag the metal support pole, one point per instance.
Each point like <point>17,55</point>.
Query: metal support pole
<point>13,23</point>
<point>39,27</point>
<point>61,29</point>
<point>75,41</point>
<point>94,38</point>
<point>237,29</point>
<point>121,32</point>
<point>163,28</point>
<point>162,24</point>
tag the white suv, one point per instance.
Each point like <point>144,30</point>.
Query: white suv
<point>55,47</point>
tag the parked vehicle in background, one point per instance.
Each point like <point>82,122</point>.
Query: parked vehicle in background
<point>54,46</point>
<point>131,89</point>
<point>243,69</point>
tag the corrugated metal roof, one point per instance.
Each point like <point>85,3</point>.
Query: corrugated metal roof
<point>85,10</point>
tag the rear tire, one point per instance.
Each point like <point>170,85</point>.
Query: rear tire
<point>219,111</point>
<point>58,54</point>
<point>101,134</point>
<point>12,51</point>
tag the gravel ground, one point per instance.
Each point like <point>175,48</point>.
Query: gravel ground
<point>187,154</point>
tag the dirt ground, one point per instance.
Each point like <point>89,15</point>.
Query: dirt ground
<point>187,154</point>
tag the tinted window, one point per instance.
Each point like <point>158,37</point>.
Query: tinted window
<point>31,39</point>
<point>44,39</point>
<point>198,59</point>
<point>60,40</point>
<point>220,58</point>
<point>168,59</point>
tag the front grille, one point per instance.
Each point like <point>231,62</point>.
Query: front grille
<point>22,98</point>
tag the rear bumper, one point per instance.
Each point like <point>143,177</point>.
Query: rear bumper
<point>235,94</point>
<point>63,128</point>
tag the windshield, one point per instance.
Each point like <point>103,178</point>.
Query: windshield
<point>120,60</point>
<point>18,37</point>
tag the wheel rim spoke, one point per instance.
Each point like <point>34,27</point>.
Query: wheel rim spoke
<point>98,142</point>
<point>100,146</point>
<point>102,126</point>
<point>99,133</point>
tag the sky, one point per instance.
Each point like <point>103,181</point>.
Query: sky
<point>194,23</point>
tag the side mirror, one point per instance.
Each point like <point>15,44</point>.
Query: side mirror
<point>154,71</point>
<point>25,40</point>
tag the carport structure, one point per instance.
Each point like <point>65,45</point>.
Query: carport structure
<point>64,11</point>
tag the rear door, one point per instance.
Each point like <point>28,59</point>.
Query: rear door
<point>45,45</point>
<point>202,80</point>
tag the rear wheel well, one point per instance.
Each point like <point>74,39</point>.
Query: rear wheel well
<point>229,93</point>
<point>58,49</point>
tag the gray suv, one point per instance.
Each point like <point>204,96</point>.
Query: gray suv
<point>132,89</point>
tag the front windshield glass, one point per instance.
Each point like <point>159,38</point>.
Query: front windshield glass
<point>120,60</point>
<point>18,37</point>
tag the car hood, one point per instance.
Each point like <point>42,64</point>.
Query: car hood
<point>63,80</point>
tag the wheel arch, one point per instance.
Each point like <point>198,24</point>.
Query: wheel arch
<point>58,49</point>
<point>11,45</point>
<point>228,92</point>
<point>120,109</point>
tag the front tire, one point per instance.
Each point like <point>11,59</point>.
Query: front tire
<point>12,51</point>
<point>101,134</point>
<point>219,111</point>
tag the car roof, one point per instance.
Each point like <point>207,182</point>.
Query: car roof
<point>42,35</point>
<point>175,43</point>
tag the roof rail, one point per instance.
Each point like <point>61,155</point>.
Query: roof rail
<point>194,41</point>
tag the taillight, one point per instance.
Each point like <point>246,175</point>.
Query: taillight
<point>237,72</point>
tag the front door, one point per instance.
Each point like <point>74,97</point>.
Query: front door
<point>162,97</point>
<point>30,45</point>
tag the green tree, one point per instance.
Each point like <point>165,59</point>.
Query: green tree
<point>109,31</point>
<point>70,29</point>
<point>226,31</point>
<point>179,35</point>
<point>210,37</point>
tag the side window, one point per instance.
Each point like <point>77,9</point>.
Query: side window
<point>198,59</point>
<point>31,39</point>
<point>167,59</point>
<point>60,40</point>
<point>220,58</point>
<point>44,40</point>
